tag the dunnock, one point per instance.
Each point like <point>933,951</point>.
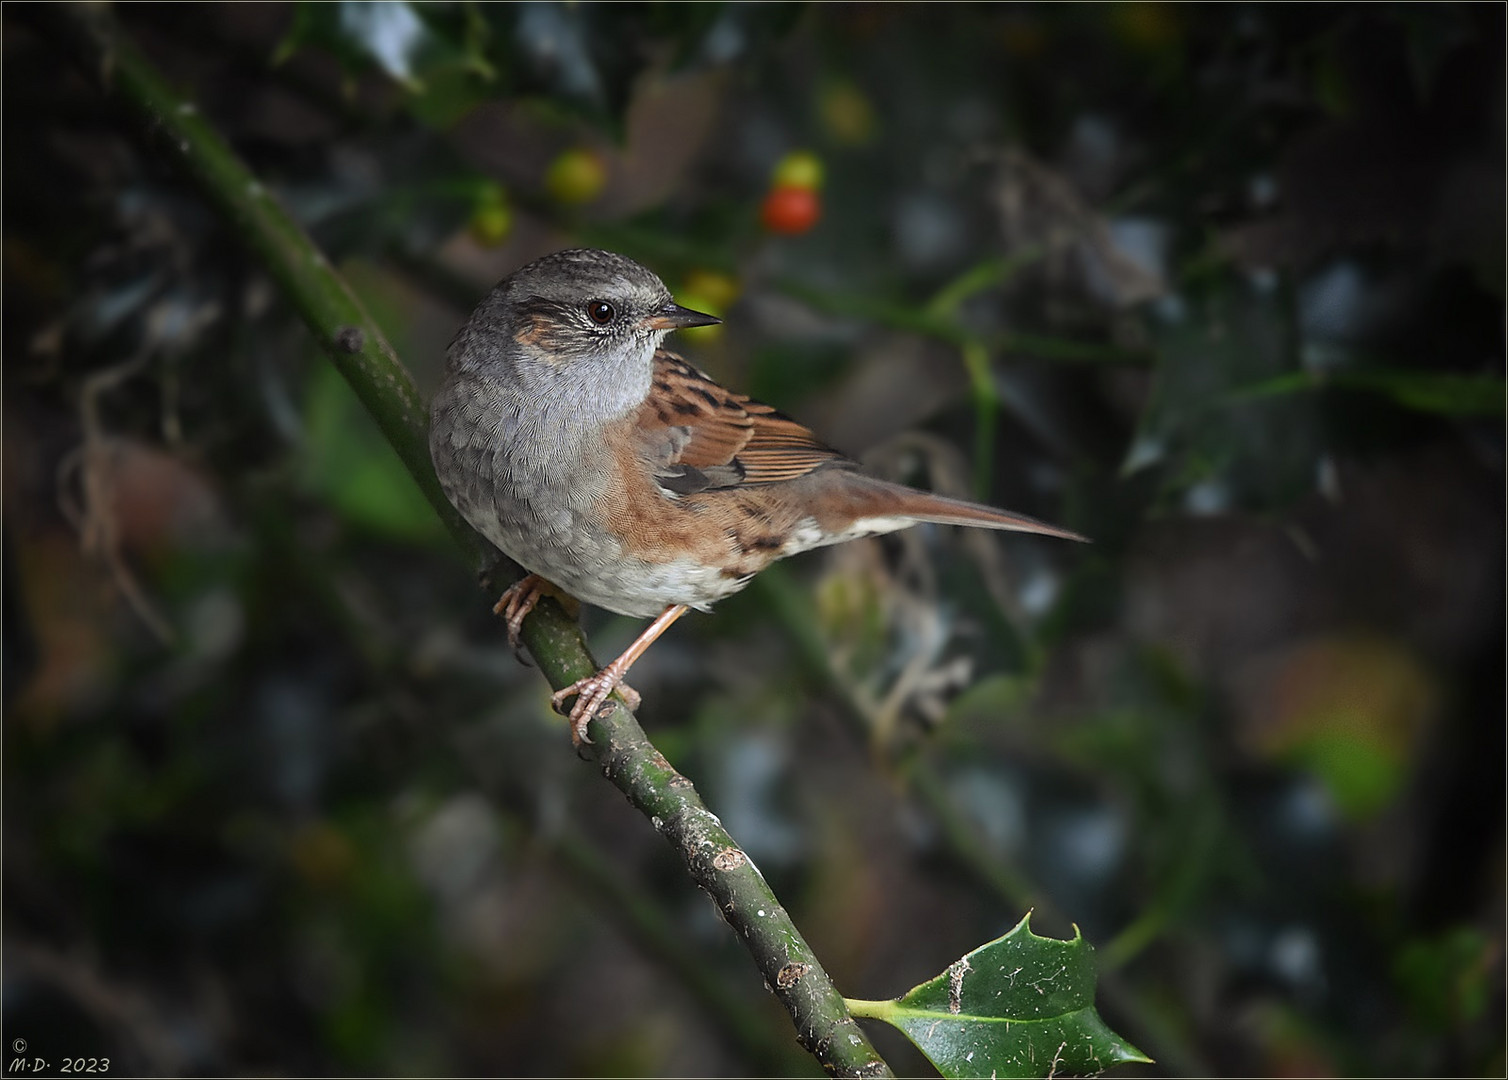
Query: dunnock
<point>615,471</point>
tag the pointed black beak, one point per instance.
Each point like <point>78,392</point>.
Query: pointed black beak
<point>674,317</point>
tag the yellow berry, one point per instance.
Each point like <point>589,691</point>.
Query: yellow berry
<point>846,113</point>
<point>716,290</point>
<point>576,177</point>
<point>798,169</point>
<point>491,217</point>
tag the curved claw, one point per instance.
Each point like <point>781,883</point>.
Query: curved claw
<point>516,603</point>
<point>592,691</point>
<point>591,694</point>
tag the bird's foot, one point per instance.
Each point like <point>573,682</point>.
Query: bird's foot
<point>518,600</point>
<point>591,694</point>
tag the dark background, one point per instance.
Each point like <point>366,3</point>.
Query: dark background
<point>1219,286</point>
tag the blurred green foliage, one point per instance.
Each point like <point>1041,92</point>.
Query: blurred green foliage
<point>1219,286</point>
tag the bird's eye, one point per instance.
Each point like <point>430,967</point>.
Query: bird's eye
<point>601,312</point>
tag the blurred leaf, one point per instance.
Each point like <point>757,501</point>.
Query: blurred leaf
<point>995,696</point>
<point>583,59</point>
<point>1350,709</point>
<point>1448,980</point>
<point>437,53</point>
<point>1361,776</point>
<point>1219,449</point>
<point>349,464</point>
<point>1431,35</point>
<point>390,33</point>
<point>588,58</point>
<point>1432,392</point>
<point>552,44</point>
<point>1021,1005</point>
<point>1459,395</point>
<point>1332,85</point>
<point>398,38</point>
<point>851,613</point>
<point>449,93</point>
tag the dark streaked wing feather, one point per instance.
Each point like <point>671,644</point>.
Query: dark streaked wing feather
<point>703,436</point>
<point>700,437</point>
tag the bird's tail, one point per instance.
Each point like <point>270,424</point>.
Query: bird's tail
<point>881,506</point>
<point>924,506</point>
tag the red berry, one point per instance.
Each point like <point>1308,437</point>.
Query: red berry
<point>790,210</point>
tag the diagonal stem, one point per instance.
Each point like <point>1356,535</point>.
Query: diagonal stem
<point>356,346</point>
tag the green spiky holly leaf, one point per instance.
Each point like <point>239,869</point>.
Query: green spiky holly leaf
<point>1021,1005</point>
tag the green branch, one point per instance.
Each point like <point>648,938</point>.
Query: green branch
<point>658,935</point>
<point>356,346</point>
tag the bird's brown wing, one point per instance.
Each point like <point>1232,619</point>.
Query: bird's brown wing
<point>700,436</point>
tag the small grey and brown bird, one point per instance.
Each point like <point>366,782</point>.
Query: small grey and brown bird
<point>617,473</point>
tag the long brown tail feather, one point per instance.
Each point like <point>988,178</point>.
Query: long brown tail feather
<point>944,511</point>
<point>902,501</point>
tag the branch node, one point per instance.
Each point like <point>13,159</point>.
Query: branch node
<point>790,975</point>
<point>350,339</point>
<point>728,859</point>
